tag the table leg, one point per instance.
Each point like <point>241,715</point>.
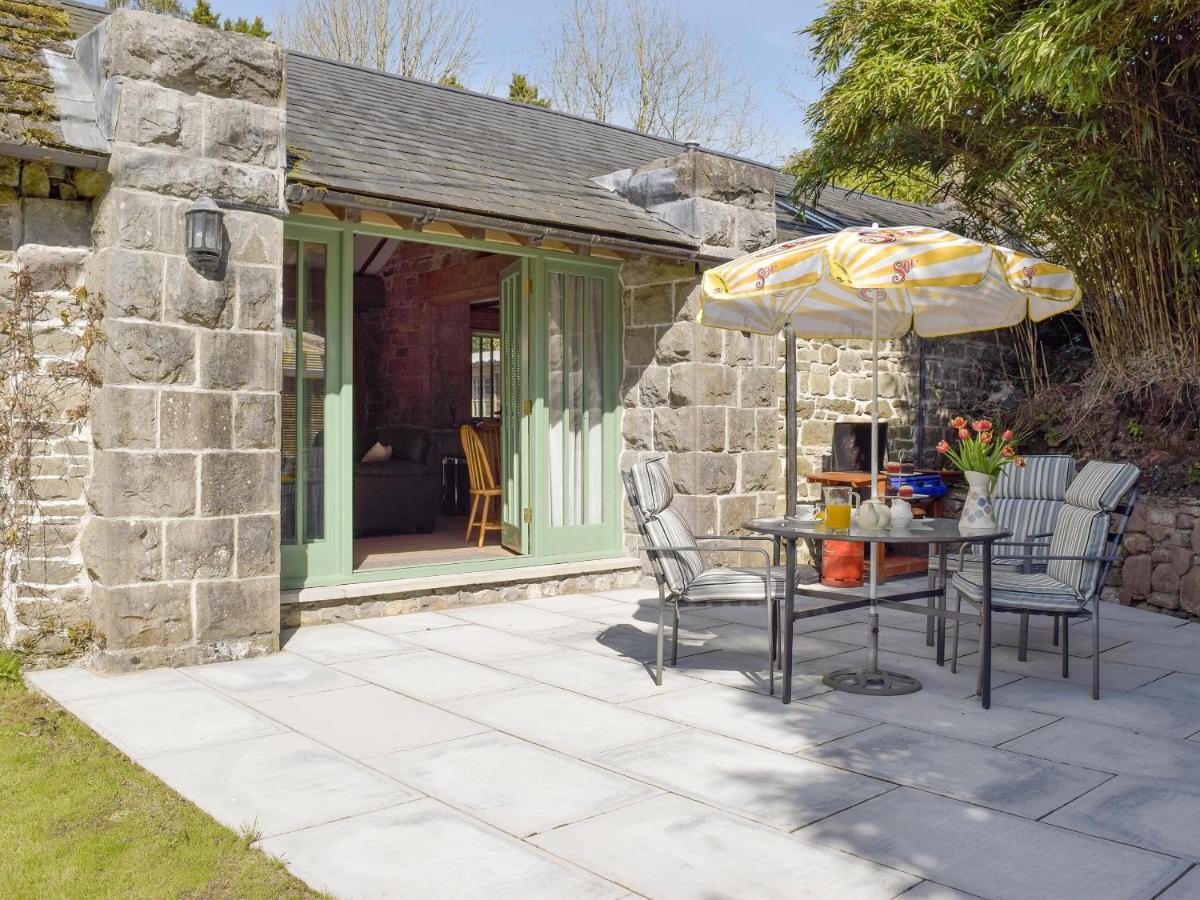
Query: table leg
<point>930,584</point>
<point>788,623</point>
<point>985,652</point>
<point>941,600</point>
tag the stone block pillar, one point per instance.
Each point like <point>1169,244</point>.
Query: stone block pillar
<point>183,544</point>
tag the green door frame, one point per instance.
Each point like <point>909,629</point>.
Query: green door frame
<point>339,505</point>
<point>325,557</point>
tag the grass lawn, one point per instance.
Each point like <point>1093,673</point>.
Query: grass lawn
<point>78,819</point>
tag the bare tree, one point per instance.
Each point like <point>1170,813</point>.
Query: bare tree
<point>641,64</point>
<point>430,39</point>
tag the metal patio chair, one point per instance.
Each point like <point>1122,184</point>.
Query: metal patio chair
<point>677,561</point>
<point>1026,504</point>
<point>1087,537</point>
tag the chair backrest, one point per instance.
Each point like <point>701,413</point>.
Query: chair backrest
<point>1027,500</point>
<point>479,469</point>
<point>1092,523</point>
<point>489,435</point>
<point>648,486</point>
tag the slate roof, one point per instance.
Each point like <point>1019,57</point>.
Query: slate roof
<point>368,133</point>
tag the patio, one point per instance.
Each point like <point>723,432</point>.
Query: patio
<point>523,750</point>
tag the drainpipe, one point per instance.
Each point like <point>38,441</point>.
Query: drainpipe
<point>920,401</point>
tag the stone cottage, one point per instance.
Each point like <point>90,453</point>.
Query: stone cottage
<point>275,432</point>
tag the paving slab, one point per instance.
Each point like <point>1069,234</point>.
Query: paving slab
<point>1185,634</point>
<point>1176,686</point>
<point>1155,655</point>
<point>989,853</point>
<point>74,683</point>
<point>1115,750</point>
<point>747,671</point>
<point>929,711</point>
<point>339,643</point>
<point>932,676</point>
<point>1119,613</point>
<point>746,639</point>
<point>1136,712</point>
<point>931,890</point>
<point>480,644</point>
<point>514,617</point>
<point>750,717</point>
<point>895,640</point>
<point>627,641</point>
<point>268,677</point>
<point>425,849</point>
<point>278,783</point>
<point>571,604</point>
<point>774,788</point>
<point>368,720</point>
<point>145,721</point>
<point>1114,675</point>
<point>561,720</point>
<point>430,676</point>
<point>645,615</point>
<point>673,847</point>
<point>605,678</point>
<point>1157,815</point>
<point>1186,888</point>
<point>510,783</point>
<point>408,622</point>
<point>998,779</point>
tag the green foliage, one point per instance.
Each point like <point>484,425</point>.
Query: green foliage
<point>10,668</point>
<point>449,79</point>
<point>1136,432</point>
<point>202,14</point>
<point>256,28</point>
<point>1066,125</point>
<point>521,91</point>
<point>893,185</point>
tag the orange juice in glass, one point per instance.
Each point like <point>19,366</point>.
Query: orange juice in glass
<point>838,502</point>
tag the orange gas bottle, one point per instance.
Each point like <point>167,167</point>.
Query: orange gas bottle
<point>842,564</point>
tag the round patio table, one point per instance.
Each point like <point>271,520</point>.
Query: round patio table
<point>870,679</point>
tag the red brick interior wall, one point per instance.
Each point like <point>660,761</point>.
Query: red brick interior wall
<point>412,356</point>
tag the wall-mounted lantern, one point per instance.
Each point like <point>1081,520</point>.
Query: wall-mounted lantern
<point>205,238</point>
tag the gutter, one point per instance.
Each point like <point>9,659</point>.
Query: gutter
<point>300,193</point>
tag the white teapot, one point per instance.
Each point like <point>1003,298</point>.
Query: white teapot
<point>902,514</point>
<point>874,515</point>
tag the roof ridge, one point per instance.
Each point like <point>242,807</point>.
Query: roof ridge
<point>681,145</point>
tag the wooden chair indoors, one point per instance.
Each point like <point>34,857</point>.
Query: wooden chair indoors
<point>483,484</point>
<point>489,435</point>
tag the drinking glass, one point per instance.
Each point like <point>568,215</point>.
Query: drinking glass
<point>838,503</point>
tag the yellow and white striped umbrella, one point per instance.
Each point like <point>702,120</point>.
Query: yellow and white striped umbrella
<point>908,278</point>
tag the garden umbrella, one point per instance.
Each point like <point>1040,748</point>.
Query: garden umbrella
<point>879,284</point>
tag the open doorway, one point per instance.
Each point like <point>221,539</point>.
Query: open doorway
<point>429,360</point>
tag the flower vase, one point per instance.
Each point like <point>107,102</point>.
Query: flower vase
<point>977,508</point>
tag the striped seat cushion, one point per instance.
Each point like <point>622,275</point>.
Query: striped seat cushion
<point>736,586</point>
<point>1018,590</point>
<point>1044,477</point>
<point>1082,527</point>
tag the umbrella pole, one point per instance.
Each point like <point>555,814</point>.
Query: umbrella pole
<point>789,416</point>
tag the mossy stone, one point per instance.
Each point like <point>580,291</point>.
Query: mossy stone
<point>90,182</point>
<point>35,180</point>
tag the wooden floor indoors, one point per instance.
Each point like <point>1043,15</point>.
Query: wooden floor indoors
<point>444,545</point>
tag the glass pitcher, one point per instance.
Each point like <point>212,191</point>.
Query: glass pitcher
<point>839,501</point>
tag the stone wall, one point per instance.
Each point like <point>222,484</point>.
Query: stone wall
<point>45,232</point>
<point>183,543</point>
<point>705,397</point>
<point>1160,558</point>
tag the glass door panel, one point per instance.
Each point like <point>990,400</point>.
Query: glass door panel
<point>514,399</point>
<point>578,442</point>
<point>310,385</point>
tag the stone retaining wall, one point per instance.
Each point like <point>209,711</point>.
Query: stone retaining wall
<point>1160,559</point>
<point>45,232</point>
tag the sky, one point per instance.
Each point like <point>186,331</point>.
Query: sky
<point>758,34</point>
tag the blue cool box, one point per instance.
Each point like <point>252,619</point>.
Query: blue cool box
<point>930,485</point>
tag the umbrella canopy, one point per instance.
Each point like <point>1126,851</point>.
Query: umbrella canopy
<point>914,278</point>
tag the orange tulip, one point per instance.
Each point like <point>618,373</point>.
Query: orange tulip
<point>986,437</point>
<point>1007,436</point>
<point>943,447</point>
<point>963,434</point>
<point>1020,461</point>
<point>982,425</point>
<point>1008,451</point>
<point>958,422</point>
